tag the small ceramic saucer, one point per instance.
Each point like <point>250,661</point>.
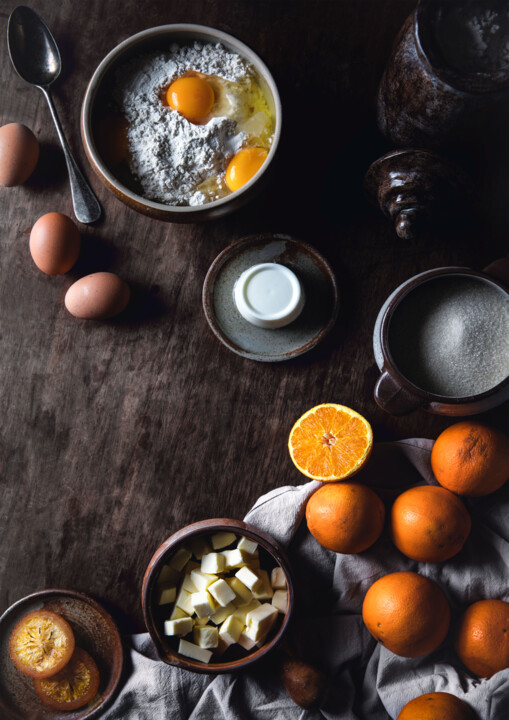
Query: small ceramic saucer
<point>262,344</point>
<point>94,631</point>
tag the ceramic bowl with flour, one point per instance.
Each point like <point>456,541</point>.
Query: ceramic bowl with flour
<point>182,122</point>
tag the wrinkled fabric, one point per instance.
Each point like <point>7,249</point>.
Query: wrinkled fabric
<point>368,682</point>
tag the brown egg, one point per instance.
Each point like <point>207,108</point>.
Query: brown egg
<point>97,296</point>
<point>19,152</point>
<point>55,243</point>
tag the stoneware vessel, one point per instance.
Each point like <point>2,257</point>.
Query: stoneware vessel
<point>414,188</point>
<point>94,631</point>
<point>98,95</point>
<point>165,651</point>
<point>394,392</point>
<point>447,77</point>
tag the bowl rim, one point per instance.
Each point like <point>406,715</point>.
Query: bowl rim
<point>115,54</point>
<point>169,545</point>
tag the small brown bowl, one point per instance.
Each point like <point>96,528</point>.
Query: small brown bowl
<point>161,38</point>
<point>165,650</point>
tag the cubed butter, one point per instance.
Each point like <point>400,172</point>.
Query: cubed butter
<point>242,593</point>
<point>247,546</point>
<point>188,584</point>
<point>206,637</point>
<point>222,613</point>
<point>221,592</point>
<point>180,558</point>
<point>199,546</point>
<point>200,621</point>
<point>259,621</point>
<point>266,591</point>
<point>183,601</point>
<point>231,630</point>
<point>203,603</point>
<point>190,650</point>
<point>278,578</point>
<point>242,611</point>
<point>182,626</point>
<point>212,563</point>
<point>168,576</point>
<point>222,539</point>
<point>246,642</point>
<point>167,595</point>
<point>191,565</point>
<point>280,600</point>
<point>201,581</point>
<point>235,558</point>
<point>250,580</point>
<point>177,613</point>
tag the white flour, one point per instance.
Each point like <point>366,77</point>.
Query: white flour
<point>170,156</point>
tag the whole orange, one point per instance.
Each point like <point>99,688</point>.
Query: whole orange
<point>482,642</point>
<point>407,613</point>
<point>429,523</point>
<point>471,459</point>
<point>436,706</point>
<point>345,517</point>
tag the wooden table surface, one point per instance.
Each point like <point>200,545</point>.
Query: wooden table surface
<point>115,434</point>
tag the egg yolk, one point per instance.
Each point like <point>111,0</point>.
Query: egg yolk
<point>191,96</point>
<point>243,166</point>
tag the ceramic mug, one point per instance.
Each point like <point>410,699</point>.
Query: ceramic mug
<point>395,392</point>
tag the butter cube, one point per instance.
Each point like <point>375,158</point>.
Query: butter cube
<point>191,650</point>
<point>187,584</point>
<point>206,637</point>
<point>201,581</point>
<point>200,621</point>
<point>221,592</point>
<point>168,576</point>
<point>250,580</point>
<point>177,613</point>
<point>182,626</point>
<point>231,630</point>
<point>280,601</point>
<point>247,546</point>
<point>242,593</point>
<point>191,565</point>
<point>246,642</point>
<point>221,647</point>
<point>259,621</point>
<point>266,591</point>
<point>212,563</point>
<point>202,603</point>
<point>234,558</point>
<point>222,539</point>
<point>167,595</point>
<point>278,578</point>
<point>183,601</point>
<point>180,558</point>
<point>242,611</point>
<point>199,546</point>
<point>222,613</point>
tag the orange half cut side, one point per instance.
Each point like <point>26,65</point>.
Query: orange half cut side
<point>330,442</point>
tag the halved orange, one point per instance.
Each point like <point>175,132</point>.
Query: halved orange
<point>41,644</point>
<point>330,442</point>
<point>74,686</point>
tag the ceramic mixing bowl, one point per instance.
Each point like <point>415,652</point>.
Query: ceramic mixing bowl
<point>98,94</point>
<point>273,555</point>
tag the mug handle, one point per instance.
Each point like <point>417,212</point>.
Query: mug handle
<point>394,399</point>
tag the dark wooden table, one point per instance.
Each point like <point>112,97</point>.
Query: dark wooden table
<point>114,434</point>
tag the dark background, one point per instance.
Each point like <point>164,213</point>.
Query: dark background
<point>115,434</point>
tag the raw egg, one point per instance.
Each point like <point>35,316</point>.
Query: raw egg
<point>54,243</point>
<point>19,152</point>
<point>97,296</point>
<point>243,166</point>
<point>192,96</point>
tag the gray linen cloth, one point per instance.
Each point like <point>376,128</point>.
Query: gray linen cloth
<point>368,682</point>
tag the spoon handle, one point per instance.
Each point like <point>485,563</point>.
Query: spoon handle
<point>86,205</point>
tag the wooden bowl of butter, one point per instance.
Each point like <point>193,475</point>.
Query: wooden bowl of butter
<point>217,596</point>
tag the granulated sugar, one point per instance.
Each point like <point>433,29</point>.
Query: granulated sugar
<point>450,336</point>
<point>169,156</point>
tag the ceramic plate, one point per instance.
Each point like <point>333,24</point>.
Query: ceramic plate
<point>267,345</point>
<point>94,630</point>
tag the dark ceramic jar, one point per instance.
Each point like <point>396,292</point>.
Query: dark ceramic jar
<point>447,78</point>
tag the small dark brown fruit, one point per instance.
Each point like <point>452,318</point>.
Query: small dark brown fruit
<point>306,685</point>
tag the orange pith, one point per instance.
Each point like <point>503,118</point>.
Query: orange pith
<point>330,442</point>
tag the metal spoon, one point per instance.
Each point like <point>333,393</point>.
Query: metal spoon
<point>35,57</point>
